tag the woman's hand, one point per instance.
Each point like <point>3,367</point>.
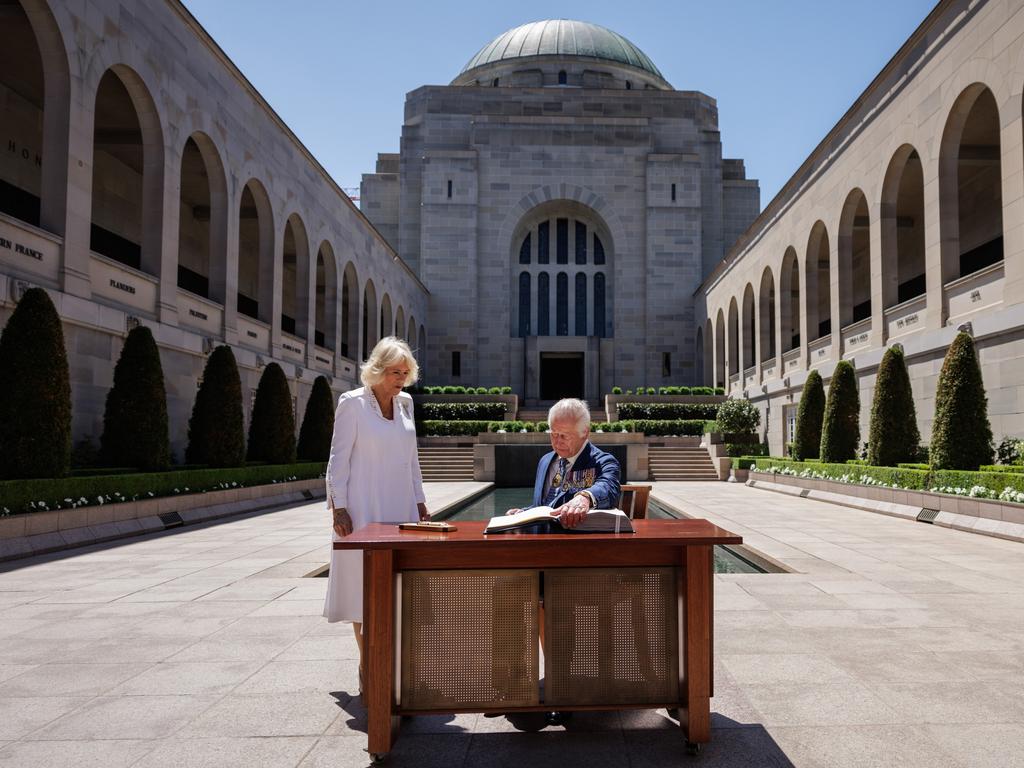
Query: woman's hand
<point>342,522</point>
<point>422,509</point>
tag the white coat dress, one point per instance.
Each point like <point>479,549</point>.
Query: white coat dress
<point>373,472</point>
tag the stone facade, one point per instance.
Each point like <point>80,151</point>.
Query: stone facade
<point>152,184</point>
<point>560,149</point>
<point>904,224</point>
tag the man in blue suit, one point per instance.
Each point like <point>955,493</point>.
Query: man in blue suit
<point>576,476</point>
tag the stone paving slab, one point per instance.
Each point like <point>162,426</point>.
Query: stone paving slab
<point>890,643</point>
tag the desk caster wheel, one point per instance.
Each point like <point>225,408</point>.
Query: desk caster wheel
<point>377,758</point>
<point>693,748</point>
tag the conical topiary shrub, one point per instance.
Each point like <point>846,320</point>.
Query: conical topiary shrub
<point>893,436</point>
<point>317,424</point>
<point>840,429</point>
<point>272,427</point>
<point>961,433</point>
<point>216,431</point>
<point>35,392</point>
<point>135,417</point>
<point>809,415</point>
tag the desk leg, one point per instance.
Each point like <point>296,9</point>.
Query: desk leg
<point>379,648</point>
<point>697,644</point>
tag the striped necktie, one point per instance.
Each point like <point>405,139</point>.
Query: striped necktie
<point>557,481</point>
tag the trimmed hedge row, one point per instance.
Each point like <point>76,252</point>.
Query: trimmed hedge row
<point>913,479</point>
<point>996,482</point>
<point>37,495</point>
<point>450,389</point>
<point>661,411</point>
<point>460,411</point>
<point>746,450</point>
<point>672,391</point>
<point>664,427</point>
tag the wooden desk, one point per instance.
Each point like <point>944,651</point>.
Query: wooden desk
<point>683,545</point>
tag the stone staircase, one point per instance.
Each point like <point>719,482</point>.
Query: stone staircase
<point>680,463</point>
<point>446,464</point>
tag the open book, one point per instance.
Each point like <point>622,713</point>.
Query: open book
<point>543,520</point>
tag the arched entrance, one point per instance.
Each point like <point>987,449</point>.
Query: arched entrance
<point>561,289</point>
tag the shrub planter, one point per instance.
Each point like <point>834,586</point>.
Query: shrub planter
<point>36,533</point>
<point>611,402</point>
<point>985,516</point>
<point>511,401</point>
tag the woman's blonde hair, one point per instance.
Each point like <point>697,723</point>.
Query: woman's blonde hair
<point>389,351</point>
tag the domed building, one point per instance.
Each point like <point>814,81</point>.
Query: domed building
<point>561,202</point>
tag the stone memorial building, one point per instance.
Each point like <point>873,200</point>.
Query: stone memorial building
<point>562,202</point>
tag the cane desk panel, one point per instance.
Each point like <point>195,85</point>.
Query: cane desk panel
<point>611,635</point>
<point>469,638</point>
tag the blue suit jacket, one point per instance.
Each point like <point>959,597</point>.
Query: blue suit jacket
<point>594,471</point>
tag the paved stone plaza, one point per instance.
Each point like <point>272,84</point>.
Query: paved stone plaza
<point>896,644</point>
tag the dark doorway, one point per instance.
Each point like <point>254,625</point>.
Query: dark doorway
<point>561,375</point>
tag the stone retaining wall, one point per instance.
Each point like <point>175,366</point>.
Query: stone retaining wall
<point>40,532</point>
<point>984,516</point>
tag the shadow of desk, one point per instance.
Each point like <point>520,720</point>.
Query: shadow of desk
<point>678,552</point>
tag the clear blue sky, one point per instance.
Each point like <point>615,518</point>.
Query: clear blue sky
<point>783,72</point>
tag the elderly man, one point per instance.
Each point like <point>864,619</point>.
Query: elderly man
<point>576,476</point>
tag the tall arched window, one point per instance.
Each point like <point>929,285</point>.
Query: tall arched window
<point>543,304</point>
<point>524,250</point>
<point>563,78</point>
<point>524,304</point>
<point>970,185</point>
<point>599,319</point>
<point>562,304</point>
<point>581,304</point>
<point>578,234</point>
<point>903,262</point>
<point>854,260</point>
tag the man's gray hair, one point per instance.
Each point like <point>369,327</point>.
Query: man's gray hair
<point>571,408</point>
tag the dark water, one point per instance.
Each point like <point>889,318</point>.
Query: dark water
<point>500,500</point>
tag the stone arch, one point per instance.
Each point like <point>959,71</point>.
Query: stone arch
<point>370,320</point>
<point>350,312</point>
<point>256,244</point>
<point>707,379</point>
<point>854,259</point>
<point>421,348</point>
<point>766,302</point>
<point>552,238</point>
<point>128,165</point>
<point>817,271</point>
<point>903,228</point>
<point>295,278</point>
<point>970,184</point>
<point>32,51</point>
<point>411,336</point>
<point>789,300</point>
<point>720,339</point>
<point>387,317</point>
<point>400,322</point>
<point>733,353</point>
<point>326,309</point>
<point>202,220</point>
<point>748,330</point>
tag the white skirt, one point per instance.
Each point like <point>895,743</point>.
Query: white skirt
<point>344,600</point>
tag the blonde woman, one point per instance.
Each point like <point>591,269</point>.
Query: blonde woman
<point>373,473</point>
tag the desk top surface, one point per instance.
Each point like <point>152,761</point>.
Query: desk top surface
<point>471,533</point>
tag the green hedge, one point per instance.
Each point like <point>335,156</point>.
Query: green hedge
<point>744,462</point>
<point>914,479</point>
<point>460,411</point>
<point>661,411</point>
<point>450,389</point>
<point>664,427</point>
<point>746,449</point>
<point>441,428</point>
<point>912,465</point>
<point>1013,468</point>
<point>993,482</point>
<point>36,495</point>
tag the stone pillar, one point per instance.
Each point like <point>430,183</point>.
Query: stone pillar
<point>231,223</point>
<point>933,246</point>
<point>878,331</point>
<point>160,224</point>
<point>1012,162</point>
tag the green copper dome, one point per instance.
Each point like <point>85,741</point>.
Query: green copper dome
<point>563,37</point>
